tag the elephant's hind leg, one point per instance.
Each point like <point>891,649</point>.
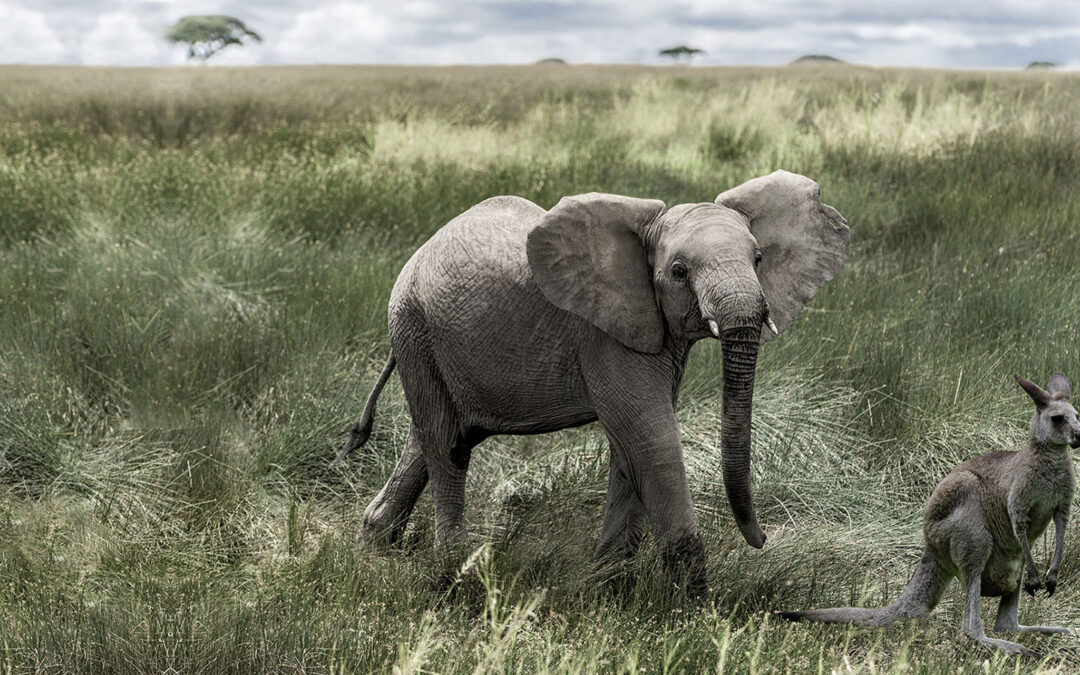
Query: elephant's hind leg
<point>448,463</point>
<point>623,529</point>
<point>445,449</point>
<point>386,516</point>
<point>624,517</point>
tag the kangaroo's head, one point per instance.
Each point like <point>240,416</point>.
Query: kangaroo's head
<point>1055,420</point>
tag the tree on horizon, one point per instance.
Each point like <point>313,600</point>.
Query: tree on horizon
<point>681,52</point>
<point>206,35</point>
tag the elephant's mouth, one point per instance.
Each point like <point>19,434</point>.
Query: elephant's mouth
<point>748,320</point>
<point>715,330</point>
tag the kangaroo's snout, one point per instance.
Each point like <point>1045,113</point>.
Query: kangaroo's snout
<point>1072,434</point>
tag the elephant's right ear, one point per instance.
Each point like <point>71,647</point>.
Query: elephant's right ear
<point>588,258</point>
<point>801,247</point>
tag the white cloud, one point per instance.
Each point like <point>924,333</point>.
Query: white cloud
<point>25,37</point>
<point>118,38</point>
<point>344,32</point>
<point>957,34</point>
<point>421,9</point>
<point>992,33</point>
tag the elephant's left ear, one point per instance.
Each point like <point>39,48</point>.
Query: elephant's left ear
<point>801,247</point>
<point>589,257</point>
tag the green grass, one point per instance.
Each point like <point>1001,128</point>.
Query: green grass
<point>194,269</point>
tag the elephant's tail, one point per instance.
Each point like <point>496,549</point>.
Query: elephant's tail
<point>921,595</point>
<point>358,435</point>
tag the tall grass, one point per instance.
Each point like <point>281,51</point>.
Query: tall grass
<point>194,269</point>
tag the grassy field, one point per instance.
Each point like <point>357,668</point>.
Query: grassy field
<point>194,269</point>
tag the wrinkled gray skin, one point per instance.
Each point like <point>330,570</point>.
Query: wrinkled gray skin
<point>516,320</point>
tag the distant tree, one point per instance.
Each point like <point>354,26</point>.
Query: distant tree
<point>1036,65</point>
<point>208,35</point>
<point>681,52</point>
<point>552,60</point>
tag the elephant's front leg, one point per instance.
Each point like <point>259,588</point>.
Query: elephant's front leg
<point>666,497</point>
<point>644,435</point>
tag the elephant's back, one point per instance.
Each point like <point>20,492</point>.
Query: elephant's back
<point>484,245</point>
<point>488,239</point>
<point>467,299</point>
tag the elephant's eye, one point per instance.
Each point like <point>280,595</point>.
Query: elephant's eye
<point>679,271</point>
<point>757,258</point>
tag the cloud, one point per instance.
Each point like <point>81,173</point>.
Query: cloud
<point>25,37</point>
<point>118,38</point>
<point>961,33</point>
<point>343,32</point>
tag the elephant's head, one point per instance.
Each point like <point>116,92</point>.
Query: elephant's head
<point>739,270</point>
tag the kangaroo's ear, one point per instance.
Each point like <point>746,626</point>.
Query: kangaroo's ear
<point>1059,387</point>
<point>588,258</point>
<point>800,249</point>
<point>1037,393</point>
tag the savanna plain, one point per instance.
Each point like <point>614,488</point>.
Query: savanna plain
<point>194,270</point>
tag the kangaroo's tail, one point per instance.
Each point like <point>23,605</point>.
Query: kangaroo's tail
<point>921,595</point>
<point>358,435</point>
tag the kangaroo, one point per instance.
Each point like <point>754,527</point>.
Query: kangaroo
<point>979,525</point>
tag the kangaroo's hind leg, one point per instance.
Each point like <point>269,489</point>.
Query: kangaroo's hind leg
<point>1007,617</point>
<point>970,550</point>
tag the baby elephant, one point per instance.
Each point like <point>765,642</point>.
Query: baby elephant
<point>980,523</point>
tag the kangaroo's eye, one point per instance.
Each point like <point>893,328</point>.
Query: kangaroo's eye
<point>757,258</point>
<point>679,271</point>
<point>1057,419</point>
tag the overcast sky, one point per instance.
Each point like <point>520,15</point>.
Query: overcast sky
<point>946,33</point>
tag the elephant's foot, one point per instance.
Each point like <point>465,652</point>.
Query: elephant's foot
<point>616,570</point>
<point>454,563</point>
<point>685,560</point>
<point>381,530</point>
<point>382,542</point>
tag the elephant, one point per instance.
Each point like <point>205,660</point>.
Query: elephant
<point>515,320</point>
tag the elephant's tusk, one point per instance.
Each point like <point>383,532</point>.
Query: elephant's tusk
<point>714,328</point>
<point>771,325</point>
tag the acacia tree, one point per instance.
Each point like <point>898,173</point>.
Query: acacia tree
<point>208,35</point>
<point>681,52</point>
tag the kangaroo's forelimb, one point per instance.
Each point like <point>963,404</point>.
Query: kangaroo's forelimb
<point>1061,519</point>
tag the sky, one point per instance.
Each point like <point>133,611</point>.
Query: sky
<point>941,33</point>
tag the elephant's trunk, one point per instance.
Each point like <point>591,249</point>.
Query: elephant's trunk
<point>740,347</point>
